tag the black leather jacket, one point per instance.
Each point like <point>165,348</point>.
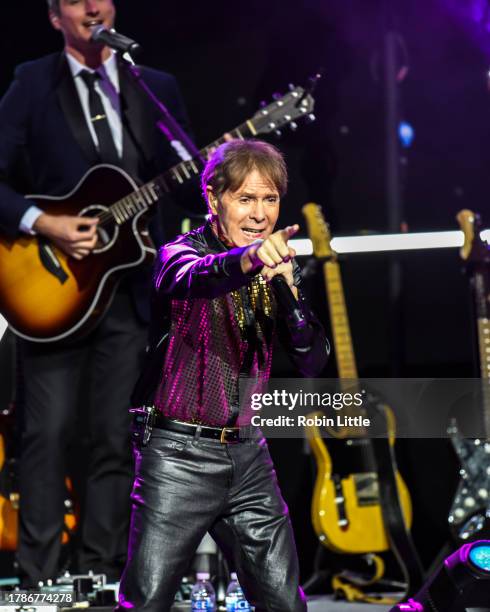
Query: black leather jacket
<point>209,327</point>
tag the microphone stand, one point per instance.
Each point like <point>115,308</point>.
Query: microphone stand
<point>167,125</point>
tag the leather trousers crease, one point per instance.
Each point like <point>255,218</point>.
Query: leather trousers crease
<point>185,487</point>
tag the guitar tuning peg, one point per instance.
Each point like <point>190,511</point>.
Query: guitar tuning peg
<point>293,126</point>
<point>291,87</point>
<point>310,118</point>
<point>276,95</point>
<point>263,104</point>
<point>277,133</point>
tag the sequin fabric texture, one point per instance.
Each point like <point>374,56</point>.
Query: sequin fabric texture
<point>212,345</point>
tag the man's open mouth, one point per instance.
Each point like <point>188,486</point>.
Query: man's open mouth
<point>252,232</point>
<point>93,22</point>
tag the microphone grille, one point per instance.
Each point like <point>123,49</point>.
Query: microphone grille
<point>97,32</point>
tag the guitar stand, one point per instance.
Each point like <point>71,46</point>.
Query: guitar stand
<point>320,580</point>
<point>355,586</point>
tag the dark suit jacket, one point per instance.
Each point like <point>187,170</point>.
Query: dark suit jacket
<point>46,147</point>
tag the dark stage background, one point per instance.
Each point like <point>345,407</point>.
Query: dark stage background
<point>228,56</point>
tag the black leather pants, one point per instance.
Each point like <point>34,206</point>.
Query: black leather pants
<point>186,486</point>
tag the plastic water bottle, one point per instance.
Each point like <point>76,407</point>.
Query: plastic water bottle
<point>235,599</point>
<point>202,594</point>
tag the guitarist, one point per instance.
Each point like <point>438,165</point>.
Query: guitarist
<point>63,114</point>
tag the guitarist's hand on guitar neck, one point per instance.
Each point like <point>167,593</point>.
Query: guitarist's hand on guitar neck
<point>75,236</point>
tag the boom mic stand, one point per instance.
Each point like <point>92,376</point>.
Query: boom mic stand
<point>178,139</point>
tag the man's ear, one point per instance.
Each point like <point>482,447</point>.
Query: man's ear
<point>54,18</point>
<point>212,201</point>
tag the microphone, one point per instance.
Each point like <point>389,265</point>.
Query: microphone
<point>113,39</point>
<point>301,332</point>
<point>289,303</point>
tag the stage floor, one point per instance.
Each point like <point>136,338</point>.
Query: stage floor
<point>326,604</point>
<point>321,603</point>
<point>315,604</point>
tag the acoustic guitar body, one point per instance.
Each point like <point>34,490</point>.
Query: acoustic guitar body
<point>47,296</point>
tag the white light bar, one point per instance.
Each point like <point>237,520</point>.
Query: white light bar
<point>389,242</point>
<point>3,326</point>
<point>302,246</point>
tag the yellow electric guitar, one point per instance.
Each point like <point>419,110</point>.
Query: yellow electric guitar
<point>346,510</point>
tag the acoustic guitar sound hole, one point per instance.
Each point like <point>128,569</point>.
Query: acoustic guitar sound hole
<point>107,229</point>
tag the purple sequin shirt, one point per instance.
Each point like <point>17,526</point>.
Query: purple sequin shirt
<point>219,325</point>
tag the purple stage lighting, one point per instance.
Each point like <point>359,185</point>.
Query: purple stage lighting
<point>461,583</point>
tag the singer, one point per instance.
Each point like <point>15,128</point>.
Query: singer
<point>214,308</point>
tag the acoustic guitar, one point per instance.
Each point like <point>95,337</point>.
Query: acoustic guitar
<point>469,516</point>
<point>346,507</point>
<point>47,296</point>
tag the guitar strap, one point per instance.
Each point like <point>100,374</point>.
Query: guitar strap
<point>401,542</point>
<point>351,585</point>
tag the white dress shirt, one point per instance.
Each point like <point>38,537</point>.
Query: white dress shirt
<point>107,86</point>
<point>108,89</point>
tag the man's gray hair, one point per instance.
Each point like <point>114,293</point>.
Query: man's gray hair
<point>232,161</point>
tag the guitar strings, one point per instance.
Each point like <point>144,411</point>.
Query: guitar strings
<point>109,216</point>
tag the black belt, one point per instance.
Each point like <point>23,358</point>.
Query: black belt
<point>223,434</point>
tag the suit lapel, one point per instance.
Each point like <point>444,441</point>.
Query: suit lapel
<point>73,112</point>
<point>137,118</point>
<point>136,115</point>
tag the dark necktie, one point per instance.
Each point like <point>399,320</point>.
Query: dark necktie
<point>107,148</point>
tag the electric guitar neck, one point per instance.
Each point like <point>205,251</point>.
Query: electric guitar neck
<point>470,509</point>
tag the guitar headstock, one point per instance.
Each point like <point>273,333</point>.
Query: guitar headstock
<point>318,231</point>
<point>473,248</point>
<point>295,104</point>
